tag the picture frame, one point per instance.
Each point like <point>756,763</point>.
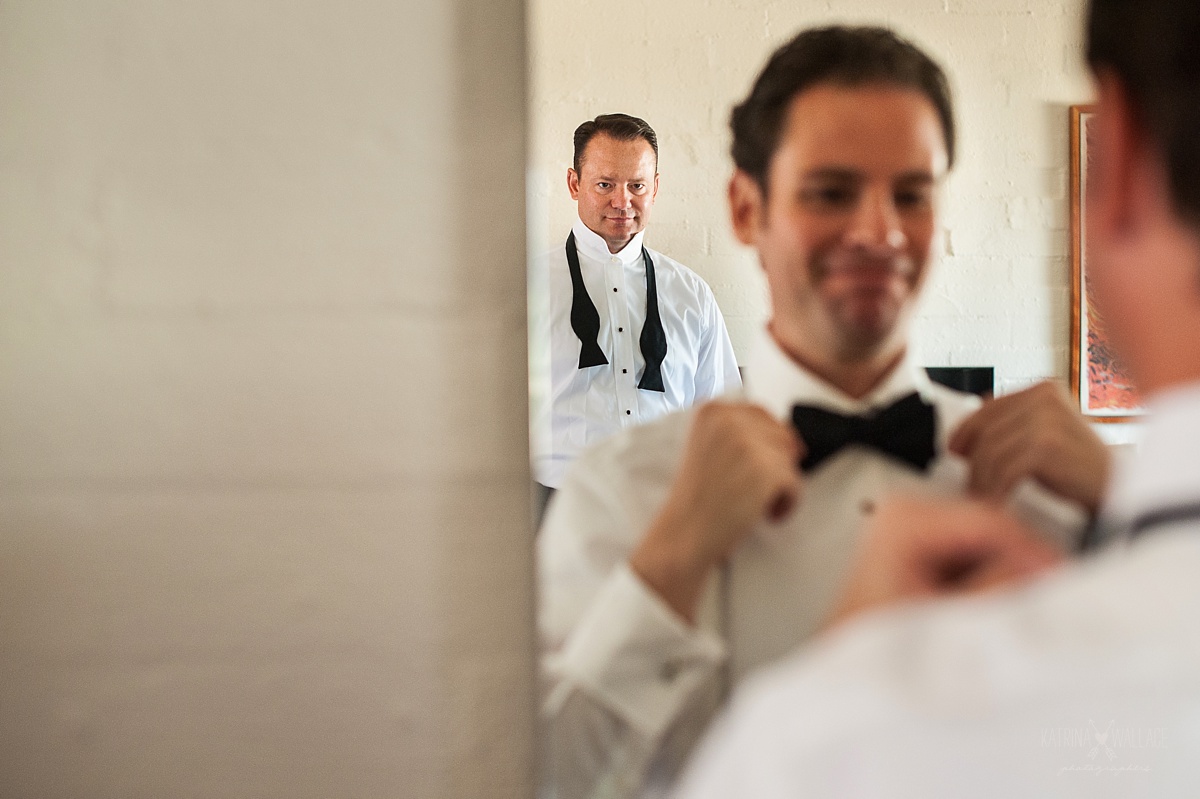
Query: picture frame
<point>1098,382</point>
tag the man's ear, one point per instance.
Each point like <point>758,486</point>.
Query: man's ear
<point>573,183</point>
<point>654,194</point>
<point>1113,166</point>
<point>747,207</point>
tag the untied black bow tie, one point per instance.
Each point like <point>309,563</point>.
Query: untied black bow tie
<point>585,321</point>
<point>904,430</point>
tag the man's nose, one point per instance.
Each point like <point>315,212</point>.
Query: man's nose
<point>877,224</point>
<point>621,198</point>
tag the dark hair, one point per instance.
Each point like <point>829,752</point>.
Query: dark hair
<point>1153,47</point>
<point>840,55</point>
<point>621,127</point>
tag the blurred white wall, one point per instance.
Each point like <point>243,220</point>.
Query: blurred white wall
<point>264,519</point>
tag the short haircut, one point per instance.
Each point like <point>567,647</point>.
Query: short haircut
<point>621,127</point>
<point>1153,47</point>
<point>844,56</point>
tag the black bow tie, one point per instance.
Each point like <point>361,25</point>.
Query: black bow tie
<point>904,430</point>
<point>585,321</point>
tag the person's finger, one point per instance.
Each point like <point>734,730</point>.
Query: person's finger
<point>1014,561</point>
<point>1039,405</point>
<point>983,539</point>
<point>1058,456</point>
<point>995,412</point>
<point>962,438</point>
<point>996,416</point>
<point>784,475</point>
<point>786,498</point>
<point>784,435</point>
<point>999,462</point>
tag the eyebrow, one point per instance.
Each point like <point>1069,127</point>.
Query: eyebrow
<point>842,173</point>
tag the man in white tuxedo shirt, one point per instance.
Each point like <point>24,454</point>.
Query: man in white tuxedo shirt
<point>1083,683</point>
<point>680,555</point>
<point>629,333</point>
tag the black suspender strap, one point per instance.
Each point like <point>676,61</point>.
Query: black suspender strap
<point>1164,516</point>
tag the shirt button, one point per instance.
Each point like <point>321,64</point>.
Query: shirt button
<point>624,371</point>
<point>628,413</point>
<point>614,291</point>
<point>620,330</point>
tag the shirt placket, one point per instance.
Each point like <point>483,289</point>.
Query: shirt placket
<point>624,367</point>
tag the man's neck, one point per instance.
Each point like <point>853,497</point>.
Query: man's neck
<point>616,247</point>
<point>855,376</point>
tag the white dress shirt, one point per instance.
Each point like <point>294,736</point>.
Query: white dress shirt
<point>631,686</point>
<point>575,408</point>
<point>1086,683</point>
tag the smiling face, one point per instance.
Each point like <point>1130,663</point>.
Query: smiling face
<point>845,228</point>
<point>615,188</point>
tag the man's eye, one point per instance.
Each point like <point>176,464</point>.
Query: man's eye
<point>830,196</point>
<point>912,199</point>
<point>603,185</point>
<point>638,186</point>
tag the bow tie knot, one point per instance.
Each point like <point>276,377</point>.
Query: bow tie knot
<point>904,430</point>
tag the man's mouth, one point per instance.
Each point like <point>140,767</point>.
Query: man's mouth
<point>868,270</point>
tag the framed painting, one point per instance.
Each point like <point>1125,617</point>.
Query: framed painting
<point>1104,391</point>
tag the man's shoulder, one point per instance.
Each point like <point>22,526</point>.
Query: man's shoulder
<point>553,254</point>
<point>679,272</point>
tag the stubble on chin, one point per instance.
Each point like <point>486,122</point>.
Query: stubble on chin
<point>863,335</point>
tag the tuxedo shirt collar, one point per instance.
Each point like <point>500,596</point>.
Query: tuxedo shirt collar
<point>777,382</point>
<point>591,246</point>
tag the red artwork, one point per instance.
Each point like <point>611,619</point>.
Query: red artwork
<point>1105,393</point>
<point>1107,387</point>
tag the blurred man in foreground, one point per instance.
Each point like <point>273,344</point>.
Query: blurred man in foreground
<point>1084,683</point>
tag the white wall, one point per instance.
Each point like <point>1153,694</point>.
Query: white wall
<point>1001,294</point>
<point>263,475</point>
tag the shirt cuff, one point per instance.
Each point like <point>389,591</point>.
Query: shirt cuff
<point>1061,521</point>
<point>636,655</point>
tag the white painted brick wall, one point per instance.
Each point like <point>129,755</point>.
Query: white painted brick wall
<point>264,520</point>
<point>1000,294</point>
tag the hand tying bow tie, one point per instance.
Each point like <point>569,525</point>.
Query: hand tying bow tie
<point>904,430</point>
